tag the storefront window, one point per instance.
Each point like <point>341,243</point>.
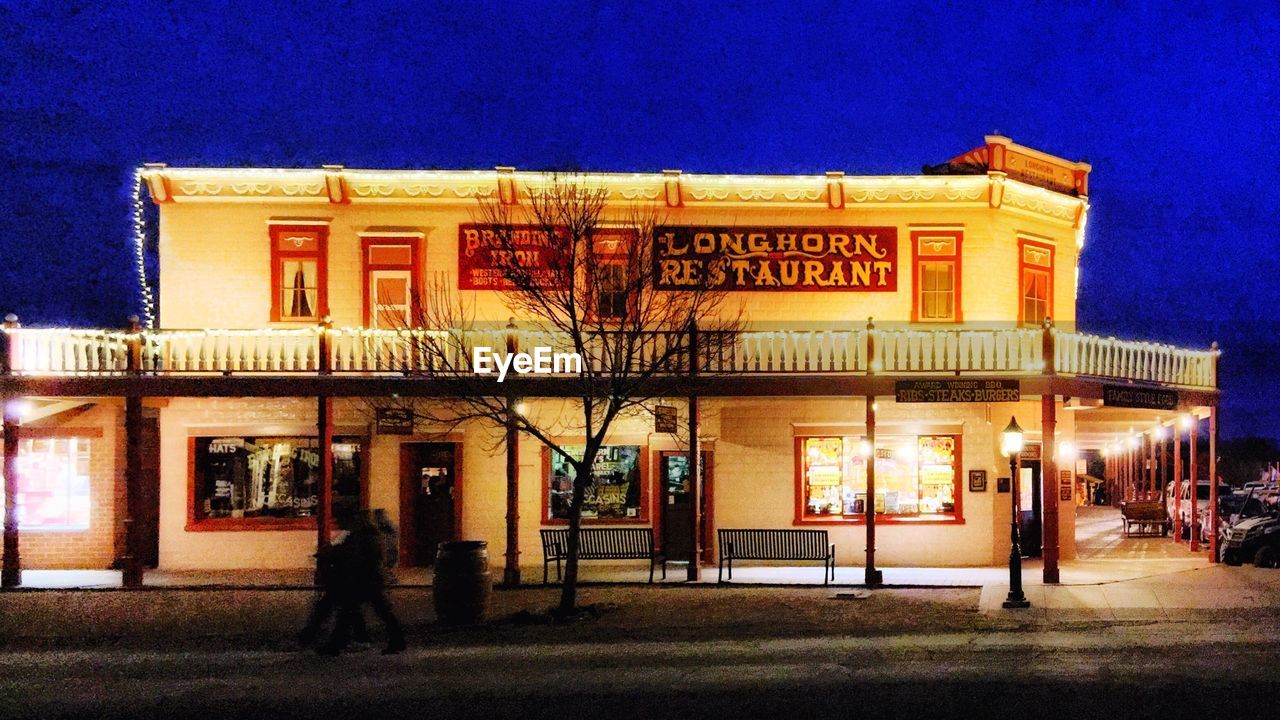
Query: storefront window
<point>615,491</point>
<point>53,484</point>
<point>916,476</point>
<point>269,477</point>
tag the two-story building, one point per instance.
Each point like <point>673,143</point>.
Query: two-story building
<point>922,311</point>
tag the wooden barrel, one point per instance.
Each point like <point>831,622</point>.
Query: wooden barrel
<point>461,585</point>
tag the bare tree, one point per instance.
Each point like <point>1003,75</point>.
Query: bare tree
<point>578,276</point>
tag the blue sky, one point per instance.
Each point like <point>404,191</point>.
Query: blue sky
<point>1176,108</point>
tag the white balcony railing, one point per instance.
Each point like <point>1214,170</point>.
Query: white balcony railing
<point>861,351</point>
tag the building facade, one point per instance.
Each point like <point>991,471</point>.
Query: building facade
<point>946,302</point>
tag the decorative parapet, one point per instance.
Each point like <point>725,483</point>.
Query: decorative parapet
<point>832,190</point>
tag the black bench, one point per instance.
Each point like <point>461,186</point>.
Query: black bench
<point>600,544</point>
<point>777,545</point>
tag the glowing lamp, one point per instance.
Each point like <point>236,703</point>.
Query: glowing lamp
<point>864,449</point>
<point>18,409</point>
<point>1186,422</point>
<point>1011,438</point>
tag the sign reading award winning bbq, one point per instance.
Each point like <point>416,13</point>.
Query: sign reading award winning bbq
<point>1136,397</point>
<point>486,253</point>
<point>857,259</point>
<point>962,391</point>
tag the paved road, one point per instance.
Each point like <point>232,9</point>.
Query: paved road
<point>1153,670</point>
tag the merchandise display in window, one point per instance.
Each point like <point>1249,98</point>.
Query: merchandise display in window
<point>53,484</point>
<point>270,477</point>
<point>915,476</point>
<point>614,492</point>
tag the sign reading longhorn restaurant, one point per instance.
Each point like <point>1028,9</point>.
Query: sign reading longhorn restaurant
<point>962,391</point>
<point>852,259</point>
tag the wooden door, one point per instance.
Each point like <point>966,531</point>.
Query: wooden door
<point>431,499</point>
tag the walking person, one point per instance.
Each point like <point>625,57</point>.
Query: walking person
<point>361,579</point>
<point>390,544</point>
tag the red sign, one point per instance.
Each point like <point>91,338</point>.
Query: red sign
<point>854,259</point>
<point>484,254</point>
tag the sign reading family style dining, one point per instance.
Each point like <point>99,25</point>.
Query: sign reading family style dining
<point>858,259</point>
<point>961,391</point>
<point>1136,397</point>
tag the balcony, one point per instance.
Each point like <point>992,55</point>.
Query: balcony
<point>362,352</point>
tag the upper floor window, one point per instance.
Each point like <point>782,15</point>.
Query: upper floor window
<point>390,280</point>
<point>937,276</point>
<point>1035,281</point>
<point>298,272</point>
<point>611,285</point>
<point>611,291</point>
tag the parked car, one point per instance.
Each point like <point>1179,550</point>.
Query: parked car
<point>1232,508</point>
<point>1255,539</point>
<point>1191,517</point>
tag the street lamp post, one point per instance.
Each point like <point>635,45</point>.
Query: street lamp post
<point>1012,445</point>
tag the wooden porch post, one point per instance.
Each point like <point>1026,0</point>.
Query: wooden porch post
<point>1177,480</point>
<point>695,489</point>
<point>1049,485</point>
<point>511,562</point>
<point>873,576</point>
<point>11,573</point>
<point>695,466</point>
<point>1164,469</point>
<point>1152,473</point>
<point>1195,503</point>
<point>131,565</point>
<point>324,427</point>
<point>1213,483</point>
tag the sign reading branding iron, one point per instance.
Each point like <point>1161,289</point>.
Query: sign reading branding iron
<point>858,259</point>
<point>486,252</point>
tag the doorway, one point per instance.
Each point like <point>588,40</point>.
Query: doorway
<point>675,496</point>
<point>1030,506</point>
<point>430,499</point>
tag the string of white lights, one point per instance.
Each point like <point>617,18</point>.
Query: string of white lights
<point>139,251</point>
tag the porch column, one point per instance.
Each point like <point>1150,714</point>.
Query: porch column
<point>1049,485</point>
<point>511,562</point>
<point>131,565</point>
<point>695,489</point>
<point>324,493</point>
<point>11,575</point>
<point>1191,438</point>
<point>1177,480</point>
<point>872,576</point>
<point>1164,468</point>
<point>1213,483</point>
<point>324,428</point>
<point>1151,459</point>
<point>695,466</point>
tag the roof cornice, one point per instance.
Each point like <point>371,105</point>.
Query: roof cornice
<point>834,190</point>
